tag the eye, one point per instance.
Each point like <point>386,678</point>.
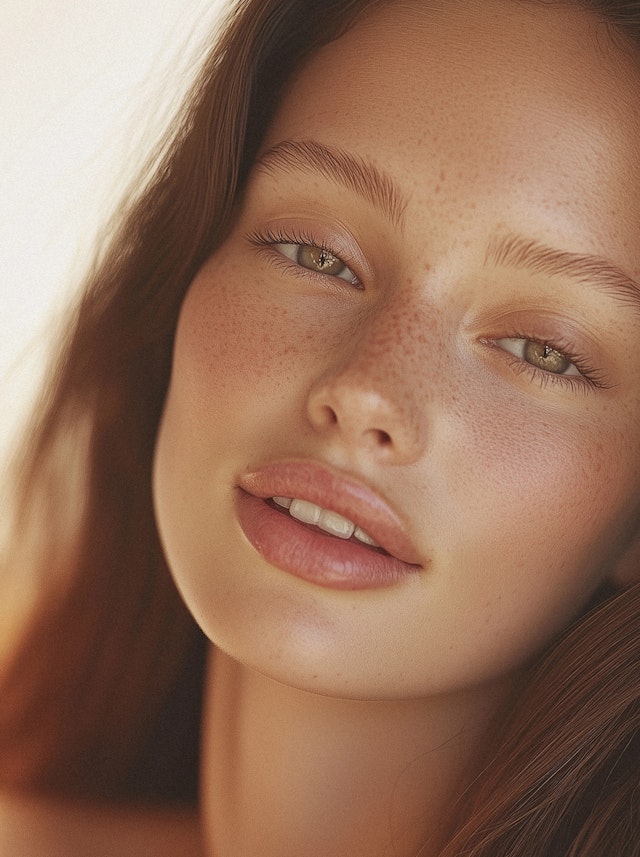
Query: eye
<point>540,355</point>
<point>317,259</point>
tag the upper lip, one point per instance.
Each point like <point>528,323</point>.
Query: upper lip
<point>330,489</point>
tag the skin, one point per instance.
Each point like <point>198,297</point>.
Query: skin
<point>30,827</point>
<point>519,488</point>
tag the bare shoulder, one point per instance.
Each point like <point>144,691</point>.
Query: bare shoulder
<point>36,827</point>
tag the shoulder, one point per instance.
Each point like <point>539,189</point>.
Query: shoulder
<point>38,827</point>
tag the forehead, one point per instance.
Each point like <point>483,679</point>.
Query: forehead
<point>504,50</point>
<point>493,90</point>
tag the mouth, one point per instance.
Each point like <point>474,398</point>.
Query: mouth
<point>324,527</point>
<point>323,520</point>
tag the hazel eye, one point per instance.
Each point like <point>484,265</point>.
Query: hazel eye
<point>540,355</point>
<point>317,259</point>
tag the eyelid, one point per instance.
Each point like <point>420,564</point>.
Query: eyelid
<point>337,238</point>
<point>588,377</point>
<point>572,329</point>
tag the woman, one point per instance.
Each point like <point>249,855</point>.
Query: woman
<point>393,458</point>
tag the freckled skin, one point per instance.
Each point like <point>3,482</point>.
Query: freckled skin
<point>521,496</point>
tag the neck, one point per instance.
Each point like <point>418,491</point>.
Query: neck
<point>287,772</point>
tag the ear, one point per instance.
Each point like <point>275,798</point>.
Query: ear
<point>626,570</point>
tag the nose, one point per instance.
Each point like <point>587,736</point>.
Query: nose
<point>370,402</point>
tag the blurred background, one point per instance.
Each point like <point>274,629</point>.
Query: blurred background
<point>85,90</point>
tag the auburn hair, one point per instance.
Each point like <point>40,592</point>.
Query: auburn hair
<point>100,692</point>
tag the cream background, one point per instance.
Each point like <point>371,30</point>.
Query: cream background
<point>84,90</point>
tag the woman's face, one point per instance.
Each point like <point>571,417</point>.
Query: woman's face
<point>424,320</point>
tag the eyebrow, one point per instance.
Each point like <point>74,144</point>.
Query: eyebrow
<point>356,173</point>
<point>515,251</point>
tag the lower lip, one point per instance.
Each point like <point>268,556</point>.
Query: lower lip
<point>313,555</point>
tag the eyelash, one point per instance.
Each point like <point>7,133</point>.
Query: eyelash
<point>589,376</point>
<point>269,238</point>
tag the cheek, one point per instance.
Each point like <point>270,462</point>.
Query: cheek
<point>242,345</point>
<point>554,492</point>
<point>525,527</point>
<point>228,344</point>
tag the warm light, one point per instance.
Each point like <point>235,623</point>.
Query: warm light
<point>85,89</point>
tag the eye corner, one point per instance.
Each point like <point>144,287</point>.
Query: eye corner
<point>578,375</point>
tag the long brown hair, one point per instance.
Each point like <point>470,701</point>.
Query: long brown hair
<point>109,652</point>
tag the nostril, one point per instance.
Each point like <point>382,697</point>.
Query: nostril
<point>355,418</point>
<point>330,415</point>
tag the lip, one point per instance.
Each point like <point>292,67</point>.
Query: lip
<point>316,556</point>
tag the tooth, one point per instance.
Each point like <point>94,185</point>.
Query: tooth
<point>304,511</point>
<point>364,537</point>
<point>285,502</point>
<point>335,524</point>
<point>330,522</point>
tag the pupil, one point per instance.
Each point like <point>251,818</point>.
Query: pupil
<point>318,259</point>
<point>547,358</point>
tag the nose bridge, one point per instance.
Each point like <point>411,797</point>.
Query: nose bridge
<point>386,355</point>
<point>374,394</point>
